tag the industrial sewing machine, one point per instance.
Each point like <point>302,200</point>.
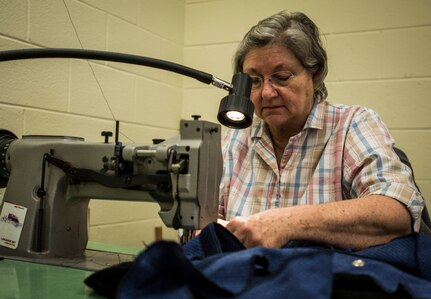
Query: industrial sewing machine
<point>49,180</point>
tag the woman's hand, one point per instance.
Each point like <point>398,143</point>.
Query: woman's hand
<point>222,222</point>
<point>266,228</point>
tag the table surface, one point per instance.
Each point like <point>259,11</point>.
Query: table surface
<point>22,279</point>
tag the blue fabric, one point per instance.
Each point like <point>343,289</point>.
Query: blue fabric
<point>216,265</point>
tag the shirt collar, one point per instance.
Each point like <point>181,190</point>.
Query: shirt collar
<point>316,117</point>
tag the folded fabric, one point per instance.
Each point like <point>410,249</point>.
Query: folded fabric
<point>216,265</point>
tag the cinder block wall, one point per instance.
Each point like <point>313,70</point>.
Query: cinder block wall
<point>63,97</point>
<point>379,56</point>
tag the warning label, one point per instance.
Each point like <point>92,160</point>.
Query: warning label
<point>11,222</point>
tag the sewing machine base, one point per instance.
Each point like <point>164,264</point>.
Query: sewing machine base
<point>93,260</point>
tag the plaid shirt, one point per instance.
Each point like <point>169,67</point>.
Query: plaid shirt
<point>343,152</point>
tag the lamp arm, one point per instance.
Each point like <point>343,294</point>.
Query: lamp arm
<point>239,90</point>
<point>115,57</point>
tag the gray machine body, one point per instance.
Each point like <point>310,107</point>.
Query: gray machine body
<point>55,224</point>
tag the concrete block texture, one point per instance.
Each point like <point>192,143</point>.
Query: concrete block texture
<point>139,41</point>
<point>397,53</point>
<point>126,10</point>
<point>402,103</point>
<point>68,24</point>
<point>202,101</point>
<point>426,192</point>
<point>13,18</point>
<point>101,91</point>
<point>417,147</point>
<point>210,22</point>
<point>12,119</point>
<point>135,234</point>
<point>130,211</point>
<point>168,14</point>
<point>214,59</point>
<point>23,84</point>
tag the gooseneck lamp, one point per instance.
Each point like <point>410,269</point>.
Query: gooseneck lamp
<point>236,109</point>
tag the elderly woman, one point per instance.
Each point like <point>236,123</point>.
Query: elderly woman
<point>307,169</point>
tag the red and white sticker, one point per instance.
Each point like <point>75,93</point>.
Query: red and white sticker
<point>11,222</point>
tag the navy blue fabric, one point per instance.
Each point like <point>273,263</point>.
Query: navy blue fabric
<point>216,265</point>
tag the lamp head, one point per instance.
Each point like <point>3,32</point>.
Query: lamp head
<point>236,109</point>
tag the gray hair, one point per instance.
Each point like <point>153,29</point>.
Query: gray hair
<point>296,32</point>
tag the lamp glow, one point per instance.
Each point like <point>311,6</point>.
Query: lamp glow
<point>235,115</point>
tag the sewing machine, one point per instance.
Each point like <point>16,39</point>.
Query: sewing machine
<point>50,179</point>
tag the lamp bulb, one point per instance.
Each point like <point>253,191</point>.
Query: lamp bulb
<point>235,115</point>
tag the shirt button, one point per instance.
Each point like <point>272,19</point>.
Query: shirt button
<point>358,263</point>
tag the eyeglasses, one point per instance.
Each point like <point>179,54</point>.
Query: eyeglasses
<point>277,79</point>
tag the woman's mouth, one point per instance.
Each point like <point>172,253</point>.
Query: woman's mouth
<point>272,108</point>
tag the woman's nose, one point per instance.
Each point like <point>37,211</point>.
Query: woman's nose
<point>268,90</point>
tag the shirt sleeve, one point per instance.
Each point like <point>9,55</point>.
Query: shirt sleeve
<point>371,165</point>
<point>226,175</point>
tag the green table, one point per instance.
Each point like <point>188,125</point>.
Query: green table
<point>23,279</point>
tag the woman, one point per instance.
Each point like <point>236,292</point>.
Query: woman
<point>307,169</point>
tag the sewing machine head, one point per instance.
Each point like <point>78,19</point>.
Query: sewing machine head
<point>49,181</point>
